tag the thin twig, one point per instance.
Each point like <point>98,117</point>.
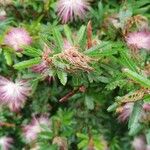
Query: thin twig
<point>71,93</point>
<point>6,124</point>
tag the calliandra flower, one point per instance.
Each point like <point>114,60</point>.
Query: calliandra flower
<point>32,130</point>
<point>139,39</point>
<point>43,66</point>
<point>16,38</point>
<point>14,94</point>
<point>139,143</point>
<point>5,143</point>
<point>40,68</point>
<point>70,9</point>
<point>146,106</point>
<point>125,112</point>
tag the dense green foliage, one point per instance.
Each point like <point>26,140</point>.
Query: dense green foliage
<point>82,99</point>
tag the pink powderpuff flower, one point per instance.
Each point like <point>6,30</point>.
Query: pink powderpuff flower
<point>139,143</point>
<point>70,9</point>
<point>146,106</point>
<point>32,130</point>
<point>40,68</point>
<point>43,67</point>
<point>126,112</point>
<point>17,38</point>
<point>139,39</point>
<point>5,143</point>
<point>14,94</point>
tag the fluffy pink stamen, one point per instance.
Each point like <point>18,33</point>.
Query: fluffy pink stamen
<point>6,142</point>
<point>14,94</point>
<point>70,9</point>
<point>139,39</point>
<point>16,38</point>
<point>32,130</point>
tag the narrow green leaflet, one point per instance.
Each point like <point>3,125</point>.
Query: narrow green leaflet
<point>134,124</point>
<point>143,81</point>
<point>89,101</point>
<point>148,137</point>
<point>126,61</point>
<point>68,33</point>
<point>58,39</point>
<point>62,77</point>
<point>102,49</point>
<point>81,35</point>
<point>146,98</point>
<point>112,107</point>
<point>27,63</point>
<point>8,58</point>
<point>33,52</point>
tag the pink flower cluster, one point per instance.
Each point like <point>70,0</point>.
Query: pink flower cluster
<point>127,110</point>
<point>14,94</point>
<point>32,130</point>
<point>5,143</point>
<point>139,39</point>
<point>70,9</point>
<point>16,38</point>
<point>139,143</point>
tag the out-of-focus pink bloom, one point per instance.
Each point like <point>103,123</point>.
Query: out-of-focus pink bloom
<point>32,130</point>
<point>70,9</point>
<point>126,112</point>
<point>40,68</point>
<point>14,94</point>
<point>6,143</point>
<point>43,67</point>
<point>148,147</point>
<point>139,39</point>
<point>139,143</point>
<point>146,106</point>
<point>17,38</point>
<point>2,15</point>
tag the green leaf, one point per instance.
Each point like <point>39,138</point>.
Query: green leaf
<point>83,144</point>
<point>148,137</point>
<point>143,81</point>
<point>68,33</point>
<point>33,52</point>
<point>62,77</point>
<point>27,63</point>
<point>8,58</point>
<point>89,101</point>
<point>80,35</point>
<point>82,136</point>
<point>134,124</point>
<point>46,135</point>
<point>101,50</point>
<point>118,83</point>
<point>146,98</point>
<point>112,107</point>
<point>126,61</point>
<point>58,39</point>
